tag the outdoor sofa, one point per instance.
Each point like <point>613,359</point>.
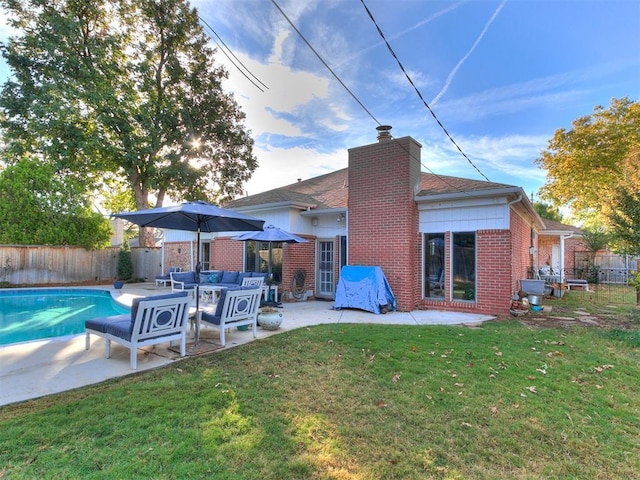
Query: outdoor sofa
<point>164,279</point>
<point>181,281</point>
<point>153,320</point>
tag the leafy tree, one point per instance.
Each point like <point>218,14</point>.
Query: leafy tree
<point>548,211</point>
<point>41,206</point>
<point>587,166</point>
<point>128,90</point>
<point>625,207</point>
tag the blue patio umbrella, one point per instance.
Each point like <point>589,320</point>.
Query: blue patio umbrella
<point>194,217</point>
<point>270,234</point>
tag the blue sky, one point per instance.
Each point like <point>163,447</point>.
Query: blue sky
<point>501,76</point>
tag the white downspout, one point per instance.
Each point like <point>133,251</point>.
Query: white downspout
<point>562,239</point>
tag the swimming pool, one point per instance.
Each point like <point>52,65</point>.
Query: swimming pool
<point>27,315</point>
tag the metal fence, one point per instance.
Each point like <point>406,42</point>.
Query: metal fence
<point>46,265</point>
<point>609,278</point>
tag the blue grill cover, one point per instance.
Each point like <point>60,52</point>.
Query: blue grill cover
<point>365,288</point>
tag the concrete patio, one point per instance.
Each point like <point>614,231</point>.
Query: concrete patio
<point>39,368</point>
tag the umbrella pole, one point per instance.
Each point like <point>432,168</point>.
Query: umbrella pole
<point>197,289</point>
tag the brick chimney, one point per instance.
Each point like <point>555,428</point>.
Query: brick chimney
<point>383,216</point>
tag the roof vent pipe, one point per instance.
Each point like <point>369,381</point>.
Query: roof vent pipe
<point>383,133</point>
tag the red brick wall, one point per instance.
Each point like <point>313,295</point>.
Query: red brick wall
<point>493,280</point>
<point>296,256</point>
<point>383,216</point>
<point>176,254</point>
<point>227,254</point>
<point>521,256</point>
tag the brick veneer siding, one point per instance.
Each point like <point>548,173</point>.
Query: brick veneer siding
<point>494,284</point>
<point>383,216</point>
<point>298,256</point>
<point>521,256</point>
<point>176,254</point>
<point>227,254</point>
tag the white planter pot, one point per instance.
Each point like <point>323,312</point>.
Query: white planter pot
<point>270,321</point>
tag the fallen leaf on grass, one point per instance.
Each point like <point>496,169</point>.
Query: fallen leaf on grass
<point>532,389</point>
<point>465,424</point>
<point>414,349</point>
<point>499,354</point>
<point>494,410</point>
<point>395,378</point>
<point>381,403</point>
<point>458,384</point>
<point>602,368</point>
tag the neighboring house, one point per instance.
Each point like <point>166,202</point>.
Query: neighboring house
<point>557,248</point>
<point>443,242</point>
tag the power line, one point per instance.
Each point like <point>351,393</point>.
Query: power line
<point>418,91</point>
<point>325,63</point>
<point>353,95</point>
<point>236,58</point>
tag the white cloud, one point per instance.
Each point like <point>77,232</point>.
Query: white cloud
<point>280,166</point>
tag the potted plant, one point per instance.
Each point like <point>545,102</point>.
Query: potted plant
<point>269,318</point>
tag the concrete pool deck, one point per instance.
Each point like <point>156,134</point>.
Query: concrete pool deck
<point>44,367</point>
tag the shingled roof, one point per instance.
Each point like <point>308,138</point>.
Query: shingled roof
<point>433,184</point>
<point>332,190</point>
<point>326,191</point>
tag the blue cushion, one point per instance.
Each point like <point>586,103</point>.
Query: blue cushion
<point>121,329</point>
<point>100,324</point>
<point>187,277</point>
<point>229,277</point>
<point>242,276</point>
<point>136,303</point>
<point>259,274</point>
<point>214,277</point>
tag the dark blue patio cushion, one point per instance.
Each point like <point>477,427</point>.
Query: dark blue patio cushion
<point>229,277</point>
<point>100,324</point>
<point>259,274</point>
<point>242,276</point>
<point>186,277</point>
<point>120,329</point>
<point>136,303</point>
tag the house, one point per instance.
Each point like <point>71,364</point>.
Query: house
<point>443,242</point>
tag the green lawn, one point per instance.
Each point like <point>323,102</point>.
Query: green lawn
<point>502,401</point>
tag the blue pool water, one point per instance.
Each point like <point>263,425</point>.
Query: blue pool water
<point>53,312</point>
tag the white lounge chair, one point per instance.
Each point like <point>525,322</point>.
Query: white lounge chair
<point>153,320</point>
<point>236,307</point>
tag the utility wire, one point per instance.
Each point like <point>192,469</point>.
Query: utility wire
<point>418,91</point>
<point>236,58</point>
<point>325,63</point>
<point>353,95</point>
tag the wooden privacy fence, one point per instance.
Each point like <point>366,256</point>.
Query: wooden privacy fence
<point>44,265</point>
